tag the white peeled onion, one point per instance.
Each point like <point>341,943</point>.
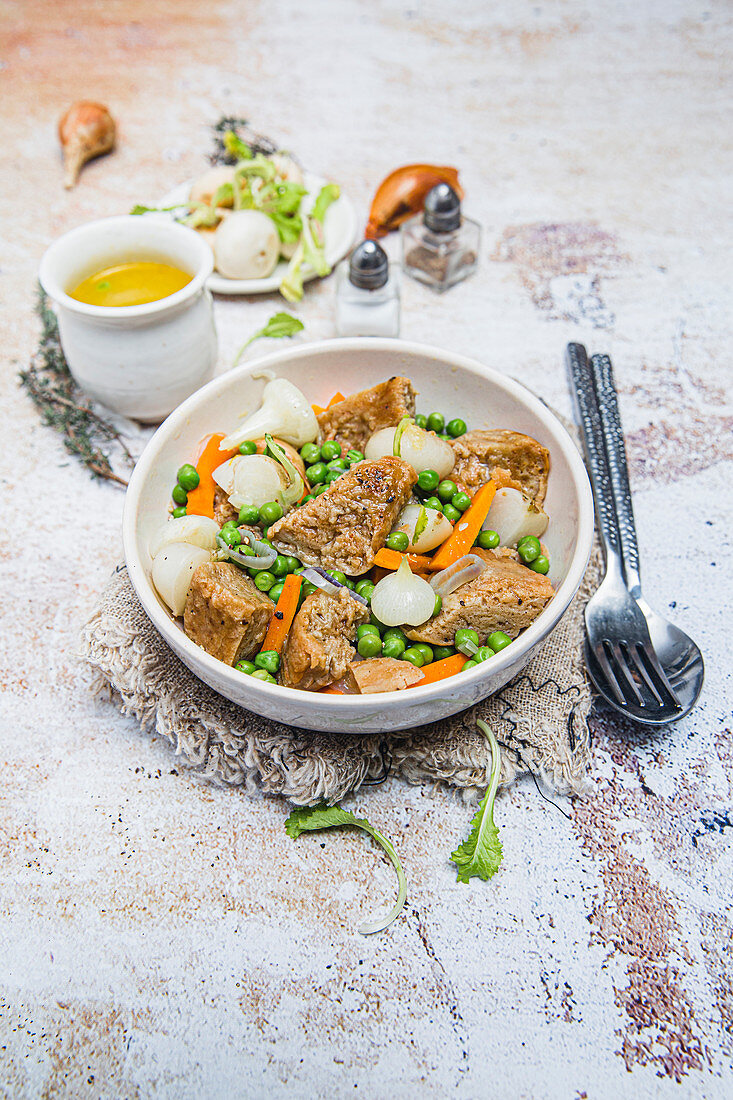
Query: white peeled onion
<point>173,568</point>
<point>246,245</point>
<point>402,599</point>
<point>423,450</point>
<point>436,530</point>
<point>251,479</point>
<point>205,187</point>
<point>513,515</point>
<point>195,530</point>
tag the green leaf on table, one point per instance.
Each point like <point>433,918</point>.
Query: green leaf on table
<point>279,325</point>
<point>313,818</point>
<point>481,854</point>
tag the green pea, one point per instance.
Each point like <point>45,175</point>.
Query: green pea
<point>446,490</point>
<point>267,542</point>
<point>393,647</point>
<point>263,674</point>
<point>179,511</point>
<point>487,540</point>
<point>438,604</point>
<point>469,664</point>
<point>353,457</point>
<point>188,477</point>
<point>249,513</point>
<point>319,489</point>
<point>366,628</point>
<point>269,659</point>
<point>442,652</point>
<point>369,645</point>
<point>270,512</point>
<point>436,422</point>
<point>339,464</point>
<point>245,666</point>
<point>398,540</point>
<point>294,564</point>
<point>498,641</point>
<point>264,580</point>
<point>310,453</point>
<point>247,551</point>
<point>484,653</point>
<point>465,634</point>
<point>414,656</point>
<point>249,447</point>
<point>434,503</point>
<point>541,564</point>
<point>428,480</point>
<point>232,536</point>
<point>375,622</point>
<point>305,499</point>
<point>365,589</point>
<point>461,501</point>
<point>395,632</point>
<point>280,566</point>
<point>456,427</point>
<point>307,588</point>
<point>316,474</point>
<point>333,475</point>
<point>425,650</point>
<point>529,548</point>
<point>421,421</point>
<point>451,513</point>
<point>330,449</point>
<point>445,436</point>
<point>276,591</point>
<point>337,575</point>
<point>179,494</point>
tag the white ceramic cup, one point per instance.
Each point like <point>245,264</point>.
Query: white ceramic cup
<point>141,361</point>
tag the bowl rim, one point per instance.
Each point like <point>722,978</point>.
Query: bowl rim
<point>352,704</point>
<point>197,282</point>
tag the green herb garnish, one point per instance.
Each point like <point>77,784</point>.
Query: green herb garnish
<point>421,524</point>
<point>481,854</point>
<point>313,818</point>
<point>279,325</point>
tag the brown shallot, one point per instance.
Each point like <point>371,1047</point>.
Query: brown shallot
<point>87,130</point>
<point>402,194</point>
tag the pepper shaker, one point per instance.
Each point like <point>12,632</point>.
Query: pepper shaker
<point>440,246</point>
<point>367,294</point>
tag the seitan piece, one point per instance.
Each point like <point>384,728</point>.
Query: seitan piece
<point>507,596</point>
<point>344,527</point>
<point>225,613</point>
<point>223,510</point>
<point>318,647</point>
<point>381,674</point>
<point>352,421</point>
<point>523,459</point>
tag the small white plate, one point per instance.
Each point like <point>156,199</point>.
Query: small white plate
<point>339,230</point>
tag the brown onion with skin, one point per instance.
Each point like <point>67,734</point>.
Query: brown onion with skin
<point>402,194</point>
<point>87,130</point>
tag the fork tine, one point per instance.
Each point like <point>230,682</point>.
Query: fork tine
<point>634,659</point>
<point>622,666</point>
<point>601,657</point>
<point>653,672</point>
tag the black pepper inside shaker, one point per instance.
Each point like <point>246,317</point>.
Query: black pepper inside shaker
<point>440,246</point>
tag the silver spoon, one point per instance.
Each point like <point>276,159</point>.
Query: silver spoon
<point>642,665</point>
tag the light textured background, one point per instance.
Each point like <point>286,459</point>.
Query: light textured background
<point>160,936</point>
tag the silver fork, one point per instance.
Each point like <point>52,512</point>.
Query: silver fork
<point>620,657</point>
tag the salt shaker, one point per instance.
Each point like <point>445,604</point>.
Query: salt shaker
<point>367,294</point>
<point>440,246</point>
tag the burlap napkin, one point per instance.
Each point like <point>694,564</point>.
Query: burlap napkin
<point>540,718</point>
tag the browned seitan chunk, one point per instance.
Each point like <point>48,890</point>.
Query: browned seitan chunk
<point>223,510</point>
<point>225,613</point>
<point>507,596</point>
<point>318,647</point>
<point>526,461</point>
<point>344,527</point>
<point>381,674</point>
<point>352,421</point>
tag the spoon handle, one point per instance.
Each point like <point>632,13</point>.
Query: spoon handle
<point>617,467</point>
<point>588,413</point>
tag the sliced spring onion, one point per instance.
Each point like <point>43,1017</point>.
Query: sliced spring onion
<point>396,450</point>
<point>263,556</point>
<point>462,571</point>
<point>422,522</point>
<point>296,488</point>
<point>320,578</point>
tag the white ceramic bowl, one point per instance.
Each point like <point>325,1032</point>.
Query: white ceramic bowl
<point>141,361</point>
<point>457,387</point>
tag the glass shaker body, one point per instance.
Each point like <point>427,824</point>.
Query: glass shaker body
<point>367,312</point>
<point>440,259</point>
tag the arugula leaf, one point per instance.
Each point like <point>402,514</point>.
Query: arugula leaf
<point>328,194</point>
<point>139,209</point>
<point>279,325</point>
<point>312,818</point>
<point>311,245</point>
<point>481,854</point>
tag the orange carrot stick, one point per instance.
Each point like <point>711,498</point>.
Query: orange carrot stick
<point>330,690</point>
<point>201,499</point>
<point>466,529</point>
<point>317,409</point>
<point>285,609</point>
<point>439,670</point>
<point>392,559</point>
<point>338,396</point>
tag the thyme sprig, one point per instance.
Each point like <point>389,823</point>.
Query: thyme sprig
<point>257,143</point>
<point>62,405</point>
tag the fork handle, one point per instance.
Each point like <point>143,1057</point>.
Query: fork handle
<point>617,467</point>
<point>590,421</point>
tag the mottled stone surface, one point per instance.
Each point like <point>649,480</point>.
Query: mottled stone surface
<point>162,937</point>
